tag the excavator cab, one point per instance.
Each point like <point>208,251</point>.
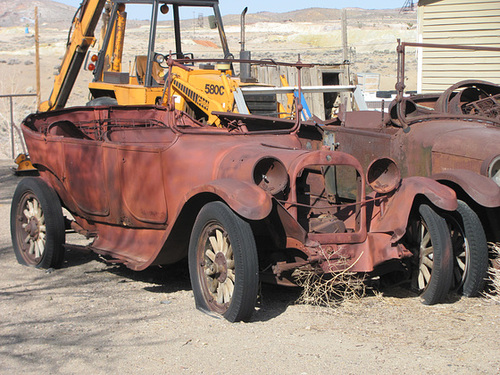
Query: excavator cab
<point>142,80</point>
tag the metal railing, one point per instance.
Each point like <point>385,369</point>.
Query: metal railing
<point>12,125</point>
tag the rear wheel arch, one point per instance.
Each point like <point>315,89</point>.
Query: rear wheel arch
<point>472,188</point>
<point>178,237</point>
<point>484,213</point>
<point>460,192</point>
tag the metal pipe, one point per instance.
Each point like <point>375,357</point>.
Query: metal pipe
<point>177,31</point>
<point>450,46</point>
<point>222,33</point>
<point>298,103</point>
<point>242,25</point>
<point>291,89</point>
<point>148,79</point>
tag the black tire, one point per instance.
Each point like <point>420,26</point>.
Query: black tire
<point>429,238</point>
<point>223,264</point>
<point>103,100</point>
<point>470,251</point>
<point>37,224</point>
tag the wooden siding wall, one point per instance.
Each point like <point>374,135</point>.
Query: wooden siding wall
<point>309,77</point>
<point>469,22</point>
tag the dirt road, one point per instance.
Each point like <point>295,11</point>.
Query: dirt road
<point>98,318</point>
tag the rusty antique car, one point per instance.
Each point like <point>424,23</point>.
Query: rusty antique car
<point>453,137</point>
<point>244,202</point>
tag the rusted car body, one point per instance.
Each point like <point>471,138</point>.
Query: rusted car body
<point>454,138</point>
<point>153,185</point>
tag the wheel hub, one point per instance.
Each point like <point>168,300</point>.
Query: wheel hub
<point>32,228</point>
<point>221,265</point>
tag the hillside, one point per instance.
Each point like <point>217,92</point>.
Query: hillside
<point>21,13</point>
<point>377,16</point>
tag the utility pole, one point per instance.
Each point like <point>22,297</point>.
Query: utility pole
<point>345,46</point>
<point>345,51</point>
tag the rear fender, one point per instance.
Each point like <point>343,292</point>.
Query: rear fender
<point>481,189</point>
<point>393,215</point>
<point>247,200</point>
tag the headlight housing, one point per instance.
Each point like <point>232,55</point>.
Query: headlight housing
<point>270,174</point>
<point>383,175</point>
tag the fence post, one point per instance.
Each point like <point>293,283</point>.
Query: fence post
<point>12,125</point>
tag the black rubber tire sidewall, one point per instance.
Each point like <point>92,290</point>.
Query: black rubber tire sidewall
<point>477,268</point>
<point>53,255</point>
<point>244,297</point>
<point>442,272</point>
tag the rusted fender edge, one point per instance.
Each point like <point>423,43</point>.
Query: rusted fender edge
<point>248,200</point>
<point>397,210</point>
<point>481,189</point>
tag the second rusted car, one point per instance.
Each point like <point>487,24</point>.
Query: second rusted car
<point>244,202</point>
<point>453,137</point>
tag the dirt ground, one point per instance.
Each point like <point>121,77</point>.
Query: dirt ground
<point>99,318</point>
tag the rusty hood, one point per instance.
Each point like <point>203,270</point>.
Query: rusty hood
<point>474,142</point>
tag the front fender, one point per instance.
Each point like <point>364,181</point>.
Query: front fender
<point>481,189</point>
<point>247,200</point>
<point>393,217</point>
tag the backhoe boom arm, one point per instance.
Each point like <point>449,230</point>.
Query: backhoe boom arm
<point>81,38</point>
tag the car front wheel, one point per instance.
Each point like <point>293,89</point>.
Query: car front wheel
<point>470,251</point>
<point>223,263</point>
<point>429,237</point>
<point>37,224</point>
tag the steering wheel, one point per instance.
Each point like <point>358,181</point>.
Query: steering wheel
<point>457,97</point>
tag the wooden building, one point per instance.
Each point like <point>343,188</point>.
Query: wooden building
<point>320,103</point>
<point>468,22</point>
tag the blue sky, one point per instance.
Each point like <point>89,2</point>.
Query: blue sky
<point>254,6</point>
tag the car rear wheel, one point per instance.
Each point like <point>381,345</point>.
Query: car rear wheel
<point>223,263</point>
<point>37,224</point>
<point>470,251</point>
<point>429,237</point>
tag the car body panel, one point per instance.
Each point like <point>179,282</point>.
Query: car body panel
<point>135,177</point>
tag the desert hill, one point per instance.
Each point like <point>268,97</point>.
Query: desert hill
<point>21,13</point>
<point>323,14</point>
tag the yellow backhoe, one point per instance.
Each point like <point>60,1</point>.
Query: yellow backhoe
<point>198,89</point>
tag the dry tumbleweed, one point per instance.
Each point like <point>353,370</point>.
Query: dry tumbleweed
<point>494,273</point>
<point>329,289</point>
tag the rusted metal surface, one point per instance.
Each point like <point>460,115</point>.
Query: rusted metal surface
<point>453,137</point>
<point>484,190</point>
<point>135,178</point>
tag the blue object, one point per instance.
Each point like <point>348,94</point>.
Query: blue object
<point>306,113</point>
